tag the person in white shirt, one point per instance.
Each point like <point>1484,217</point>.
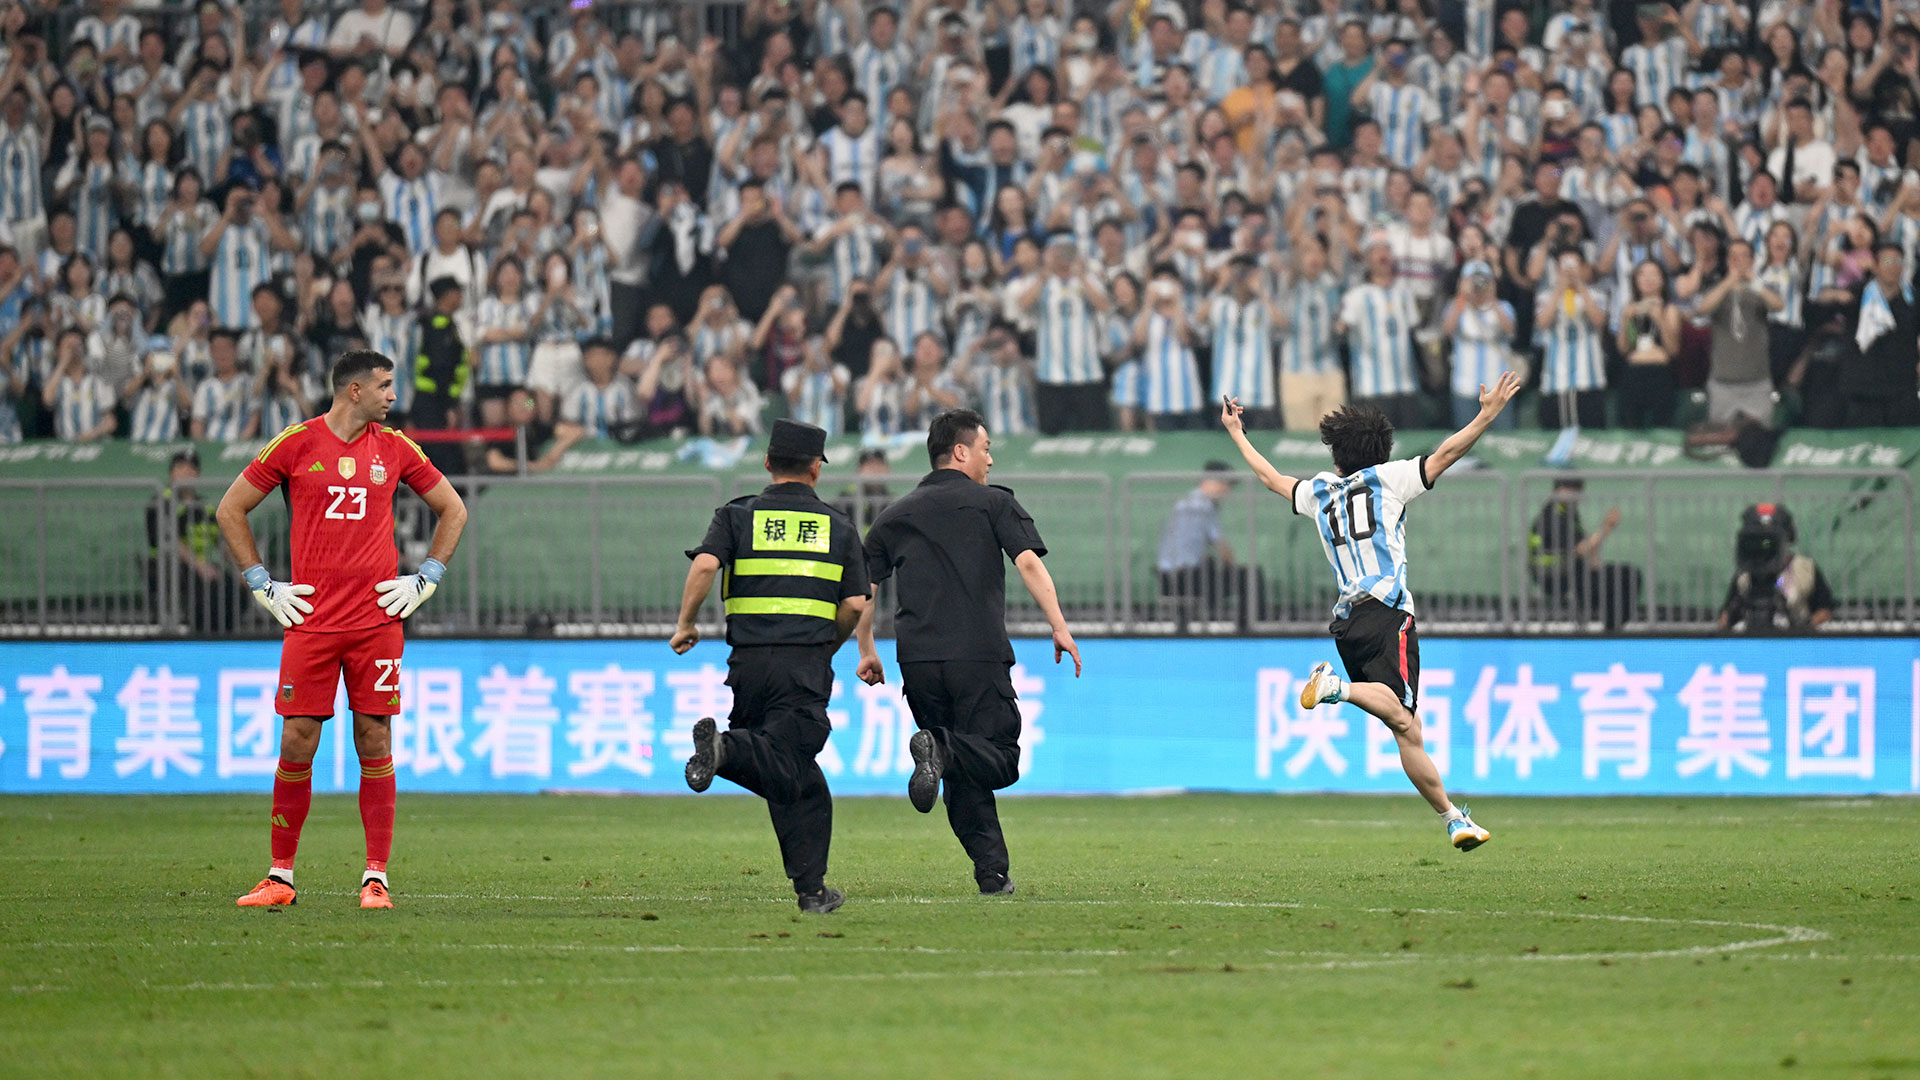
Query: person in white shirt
<point>375,26</point>
<point>1812,157</point>
<point>82,402</point>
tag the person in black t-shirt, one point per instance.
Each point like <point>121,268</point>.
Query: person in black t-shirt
<point>946,542</point>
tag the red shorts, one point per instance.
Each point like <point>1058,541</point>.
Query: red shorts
<point>312,665</point>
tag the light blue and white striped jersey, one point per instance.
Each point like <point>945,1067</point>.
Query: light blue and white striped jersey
<point>1621,128</point>
<point>814,397</point>
<point>1379,322</point>
<point>831,30</point>
<point>1753,223</point>
<point>153,184</point>
<point>293,109</point>
<point>1006,397</point>
<point>504,363</point>
<point>1172,377</point>
<point>855,257</point>
<point>79,405</point>
<point>600,409</point>
<point>1656,68</point>
<point>20,163</point>
<point>1307,345</point>
<point>1711,155</point>
<point>282,410</point>
<point>1366,188</point>
<point>140,283</point>
<point>1878,183</point>
<point>396,337</point>
<point>328,222</point>
<point>594,286</point>
<point>1446,82</point>
<point>1403,113</point>
<point>411,204</point>
<point>1560,25</point>
<point>180,239</point>
<point>1220,72</point>
<point>224,406</point>
<point>1480,347</point>
<point>1572,359</point>
<point>912,308</point>
<point>1479,28</point>
<point>886,411</point>
<point>1362,524</point>
<point>1713,28</point>
<point>151,97</point>
<point>240,262</point>
<point>708,340</point>
<point>1242,336</point>
<point>1035,43</point>
<point>121,33</point>
<point>95,209</point>
<point>854,158</point>
<point>616,91</point>
<point>204,138</point>
<point>876,72</point>
<point>1129,389</point>
<point>1067,350</point>
<point>1784,281</point>
<point>1586,84</point>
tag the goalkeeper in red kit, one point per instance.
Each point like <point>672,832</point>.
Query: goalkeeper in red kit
<point>343,606</point>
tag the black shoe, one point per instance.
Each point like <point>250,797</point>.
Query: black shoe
<point>996,885</point>
<point>928,763</point>
<point>708,754</point>
<point>819,903</point>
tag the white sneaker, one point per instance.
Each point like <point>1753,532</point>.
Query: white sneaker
<point>1321,687</point>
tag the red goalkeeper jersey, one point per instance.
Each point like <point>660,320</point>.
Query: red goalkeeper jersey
<point>340,499</point>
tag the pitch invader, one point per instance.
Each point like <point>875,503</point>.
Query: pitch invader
<point>338,473</point>
<point>1360,510</point>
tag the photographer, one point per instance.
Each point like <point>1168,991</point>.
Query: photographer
<point>1774,588</point>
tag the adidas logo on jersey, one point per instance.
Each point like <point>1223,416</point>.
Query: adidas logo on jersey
<point>278,821</point>
<point>394,700</point>
<point>316,467</point>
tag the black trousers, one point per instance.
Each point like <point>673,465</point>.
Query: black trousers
<point>1071,407</point>
<point>969,706</point>
<point>1589,409</point>
<point>779,722</point>
<point>629,304</point>
<point>1610,591</point>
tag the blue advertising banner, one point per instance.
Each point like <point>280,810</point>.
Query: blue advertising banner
<point>1502,716</point>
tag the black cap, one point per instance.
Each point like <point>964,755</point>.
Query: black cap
<point>793,439</point>
<point>189,456</point>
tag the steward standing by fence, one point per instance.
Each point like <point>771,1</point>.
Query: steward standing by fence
<point>795,586</point>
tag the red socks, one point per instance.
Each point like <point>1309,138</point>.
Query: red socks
<point>377,795</point>
<point>292,797</point>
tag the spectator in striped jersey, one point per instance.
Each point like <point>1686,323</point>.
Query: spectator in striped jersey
<point>1065,300</point>
<point>1311,382</point>
<point>1002,381</point>
<point>222,403</point>
<point>1570,322</point>
<point>732,404</point>
<point>82,401</point>
<point>504,332</point>
<point>816,388</point>
<point>1481,326</point>
<point>1378,316</point>
<point>1240,325</point>
<point>159,397</point>
<point>603,404</point>
<point>879,397</point>
<point>1163,338</point>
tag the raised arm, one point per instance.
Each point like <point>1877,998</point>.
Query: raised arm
<point>1458,443</point>
<point>1276,481</point>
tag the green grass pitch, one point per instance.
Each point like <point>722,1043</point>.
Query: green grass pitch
<point>1192,936</point>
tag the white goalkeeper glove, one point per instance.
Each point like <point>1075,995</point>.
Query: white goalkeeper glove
<point>403,595</point>
<point>281,598</point>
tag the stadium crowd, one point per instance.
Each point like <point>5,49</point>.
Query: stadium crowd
<point>630,221</point>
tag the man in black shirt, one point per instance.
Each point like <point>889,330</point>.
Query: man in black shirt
<point>1881,383</point>
<point>945,540</point>
<point>795,586</point>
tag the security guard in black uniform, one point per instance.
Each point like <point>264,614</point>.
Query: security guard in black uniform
<point>795,586</point>
<point>946,541</point>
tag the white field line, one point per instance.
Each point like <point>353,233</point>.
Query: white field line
<point>537,983</point>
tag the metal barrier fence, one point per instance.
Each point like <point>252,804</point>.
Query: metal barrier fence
<point>604,556</point>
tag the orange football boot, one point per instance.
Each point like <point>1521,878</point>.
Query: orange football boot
<point>271,892</point>
<point>374,895</point>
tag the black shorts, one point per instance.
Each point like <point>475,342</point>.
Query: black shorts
<point>1378,644</point>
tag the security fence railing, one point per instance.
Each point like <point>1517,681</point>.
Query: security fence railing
<point>605,556</point>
